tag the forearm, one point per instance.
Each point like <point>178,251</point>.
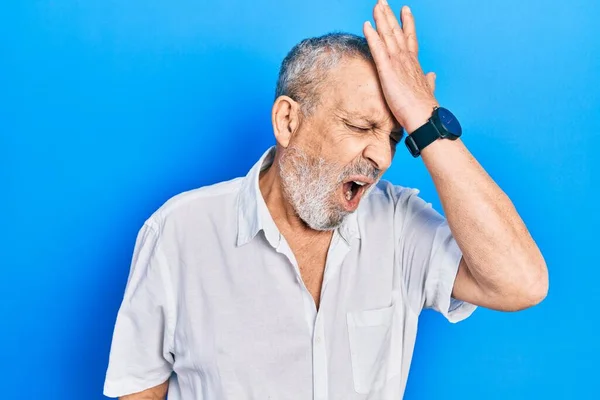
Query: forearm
<point>498,250</point>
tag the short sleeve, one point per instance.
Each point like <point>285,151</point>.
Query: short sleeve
<point>430,258</point>
<point>141,354</point>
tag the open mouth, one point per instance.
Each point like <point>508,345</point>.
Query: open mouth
<point>352,191</point>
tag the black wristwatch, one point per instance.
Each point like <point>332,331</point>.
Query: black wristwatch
<point>442,125</point>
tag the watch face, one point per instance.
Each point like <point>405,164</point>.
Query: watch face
<point>449,123</point>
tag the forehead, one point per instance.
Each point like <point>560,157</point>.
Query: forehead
<point>354,89</point>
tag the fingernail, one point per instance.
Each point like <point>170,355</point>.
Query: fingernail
<point>384,2</point>
<point>407,9</point>
<point>369,23</point>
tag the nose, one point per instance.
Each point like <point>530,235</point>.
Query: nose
<point>379,154</point>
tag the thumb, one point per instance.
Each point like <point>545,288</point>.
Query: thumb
<point>431,80</point>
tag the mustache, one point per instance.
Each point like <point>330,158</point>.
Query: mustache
<point>360,167</point>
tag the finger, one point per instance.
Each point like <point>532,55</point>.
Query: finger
<point>431,81</point>
<point>376,45</point>
<point>395,26</point>
<point>385,31</point>
<point>410,32</point>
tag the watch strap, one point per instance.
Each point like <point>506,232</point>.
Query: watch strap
<point>421,138</point>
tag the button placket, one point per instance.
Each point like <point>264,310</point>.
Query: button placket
<point>320,382</point>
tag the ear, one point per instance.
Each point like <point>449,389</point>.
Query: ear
<point>285,117</point>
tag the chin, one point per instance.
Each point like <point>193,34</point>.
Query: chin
<point>320,222</point>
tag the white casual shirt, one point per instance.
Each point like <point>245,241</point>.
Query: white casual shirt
<point>215,301</point>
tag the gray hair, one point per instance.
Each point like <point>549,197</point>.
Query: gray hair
<point>305,68</point>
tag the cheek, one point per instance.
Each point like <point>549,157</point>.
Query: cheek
<point>328,142</point>
<point>311,137</point>
<point>346,145</point>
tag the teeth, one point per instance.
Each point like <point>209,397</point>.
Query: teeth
<point>349,194</point>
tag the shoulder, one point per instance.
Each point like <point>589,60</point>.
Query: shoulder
<point>212,200</point>
<point>389,203</point>
<point>386,194</point>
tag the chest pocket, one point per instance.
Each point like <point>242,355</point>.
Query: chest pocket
<point>375,346</point>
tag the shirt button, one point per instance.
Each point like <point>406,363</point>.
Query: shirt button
<point>318,340</point>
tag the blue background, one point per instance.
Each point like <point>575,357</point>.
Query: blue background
<point>108,108</point>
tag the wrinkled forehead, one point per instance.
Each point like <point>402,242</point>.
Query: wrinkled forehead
<point>354,90</point>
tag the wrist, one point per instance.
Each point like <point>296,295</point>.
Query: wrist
<point>418,117</point>
<point>425,131</point>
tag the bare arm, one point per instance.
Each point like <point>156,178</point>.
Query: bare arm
<point>156,393</point>
<point>502,267</point>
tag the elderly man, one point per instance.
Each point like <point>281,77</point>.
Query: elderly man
<point>305,279</point>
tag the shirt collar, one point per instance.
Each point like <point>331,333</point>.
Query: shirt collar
<point>349,228</point>
<point>253,214</point>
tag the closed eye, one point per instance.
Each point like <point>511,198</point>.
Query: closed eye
<point>395,136</point>
<point>357,128</point>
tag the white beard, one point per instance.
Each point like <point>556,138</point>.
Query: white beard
<point>311,186</point>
